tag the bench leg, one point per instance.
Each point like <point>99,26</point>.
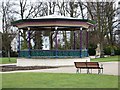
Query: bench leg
<point>80,70</point>
<point>102,71</point>
<point>88,71</point>
<point>77,71</point>
<point>99,71</point>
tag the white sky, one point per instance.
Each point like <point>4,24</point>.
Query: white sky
<point>48,0</point>
<point>0,23</point>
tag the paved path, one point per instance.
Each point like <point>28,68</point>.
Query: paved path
<point>110,68</point>
<point>8,64</point>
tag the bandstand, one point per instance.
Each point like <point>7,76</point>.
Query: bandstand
<point>53,23</point>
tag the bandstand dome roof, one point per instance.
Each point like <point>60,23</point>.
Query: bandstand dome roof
<point>53,21</point>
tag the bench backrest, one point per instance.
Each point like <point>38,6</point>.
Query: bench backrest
<point>80,64</point>
<point>92,64</point>
<point>86,64</point>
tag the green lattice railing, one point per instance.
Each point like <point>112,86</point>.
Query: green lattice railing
<point>54,53</point>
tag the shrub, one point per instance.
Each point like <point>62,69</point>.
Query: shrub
<point>91,51</point>
<point>12,54</point>
<point>107,50</point>
<point>117,52</point>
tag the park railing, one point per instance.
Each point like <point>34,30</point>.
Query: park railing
<point>54,53</point>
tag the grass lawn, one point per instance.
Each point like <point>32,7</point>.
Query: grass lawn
<point>107,59</point>
<point>58,80</point>
<point>6,60</point>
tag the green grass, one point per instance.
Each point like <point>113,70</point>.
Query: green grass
<point>0,82</point>
<point>107,59</point>
<point>57,80</point>
<point>6,60</point>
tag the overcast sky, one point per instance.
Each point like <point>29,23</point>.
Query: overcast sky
<point>43,0</point>
<point>0,23</point>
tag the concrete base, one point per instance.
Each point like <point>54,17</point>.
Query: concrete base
<point>50,62</point>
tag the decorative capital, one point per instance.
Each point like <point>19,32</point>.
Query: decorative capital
<point>28,28</point>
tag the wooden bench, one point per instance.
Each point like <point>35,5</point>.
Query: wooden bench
<point>88,65</point>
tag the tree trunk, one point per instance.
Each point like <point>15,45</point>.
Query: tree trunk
<point>101,50</point>
<point>9,56</point>
<point>51,41</point>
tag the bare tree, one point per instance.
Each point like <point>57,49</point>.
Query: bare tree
<point>26,10</point>
<point>110,14</point>
<point>8,33</point>
<point>61,7</point>
<point>103,13</point>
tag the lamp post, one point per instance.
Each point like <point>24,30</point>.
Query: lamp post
<point>87,42</point>
<point>80,42</point>
<point>56,43</point>
<point>18,47</point>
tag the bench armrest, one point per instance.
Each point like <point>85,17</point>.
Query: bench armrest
<point>101,66</point>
